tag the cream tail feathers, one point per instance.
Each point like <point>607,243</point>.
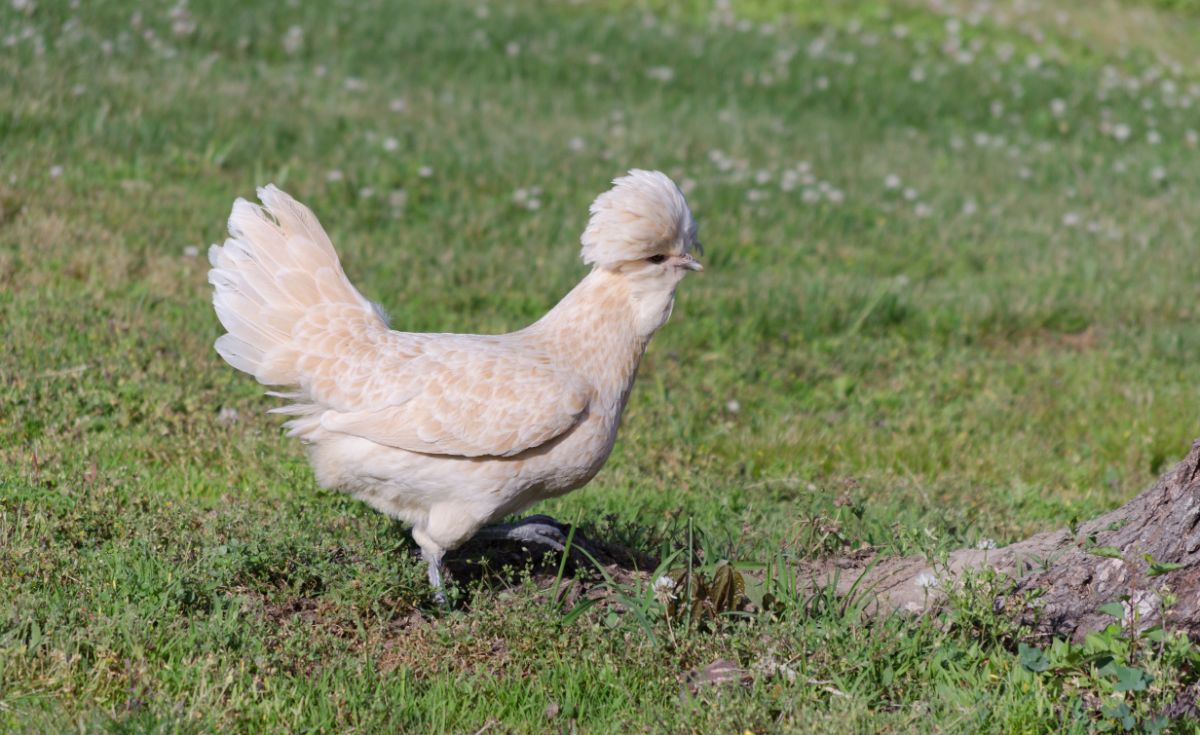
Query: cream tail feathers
<point>277,265</point>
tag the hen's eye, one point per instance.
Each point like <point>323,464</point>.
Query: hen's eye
<point>656,259</point>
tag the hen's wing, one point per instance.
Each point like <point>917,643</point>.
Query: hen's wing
<point>463,395</point>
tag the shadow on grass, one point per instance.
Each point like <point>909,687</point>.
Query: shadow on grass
<point>608,550</point>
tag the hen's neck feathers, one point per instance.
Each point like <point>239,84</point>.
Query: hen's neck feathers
<point>600,329</point>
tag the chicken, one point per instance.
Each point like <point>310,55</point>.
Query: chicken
<point>451,432</point>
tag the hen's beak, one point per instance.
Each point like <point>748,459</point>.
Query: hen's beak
<point>688,262</point>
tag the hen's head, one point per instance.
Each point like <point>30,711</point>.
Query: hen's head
<point>642,227</point>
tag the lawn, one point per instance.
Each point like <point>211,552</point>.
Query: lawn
<point>950,298</point>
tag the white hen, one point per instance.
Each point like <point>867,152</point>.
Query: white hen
<point>450,432</point>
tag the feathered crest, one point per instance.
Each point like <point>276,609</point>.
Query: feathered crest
<point>644,214</point>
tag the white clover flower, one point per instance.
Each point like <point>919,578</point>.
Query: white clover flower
<point>398,105</point>
<point>917,74</point>
<point>334,175</point>
<point>1192,138</point>
<point>1058,107</point>
<point>512,49</point>
<point>1121,132</point>
<point>732,406</point>
<point>190,251</point>
<point>1071,219</point>
<point>390,144</point>
<point>366,192</point>
<point>922,210</point>
<point>1153,137</point>
<point>293,40</point>
<point>662,74</point>
<point>664,588</point>
<point>987,543</point>
<point>55,171</point>
<point>1158,174</point>
<point>969,207</point>
<point>891,181</point>
<point>181,20</point>
<point>926,580</point>
<point>810,196</point>
<point>425,172</point>
<point>755,195</point>
<point>910,194</point>
<point>575,144</point>
<point>835,196</point>
<point>398,198</point>
<point>762,176</point>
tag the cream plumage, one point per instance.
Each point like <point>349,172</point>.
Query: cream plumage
<point>450,432</point>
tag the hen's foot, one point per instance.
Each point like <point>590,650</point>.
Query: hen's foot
<point>535,532</point>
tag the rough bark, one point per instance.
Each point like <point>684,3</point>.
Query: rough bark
<point>1063,577</point>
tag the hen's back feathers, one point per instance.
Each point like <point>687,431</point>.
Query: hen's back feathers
<point>295,320</point>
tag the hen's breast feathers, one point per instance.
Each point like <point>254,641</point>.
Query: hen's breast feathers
<point>465,395</point>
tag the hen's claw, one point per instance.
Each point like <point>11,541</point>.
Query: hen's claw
<point>537,531</point>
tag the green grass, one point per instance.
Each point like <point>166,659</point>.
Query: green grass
<point>1007,347</point>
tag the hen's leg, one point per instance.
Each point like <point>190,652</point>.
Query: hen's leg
<point>435,578</point>
<point>432,554</point>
